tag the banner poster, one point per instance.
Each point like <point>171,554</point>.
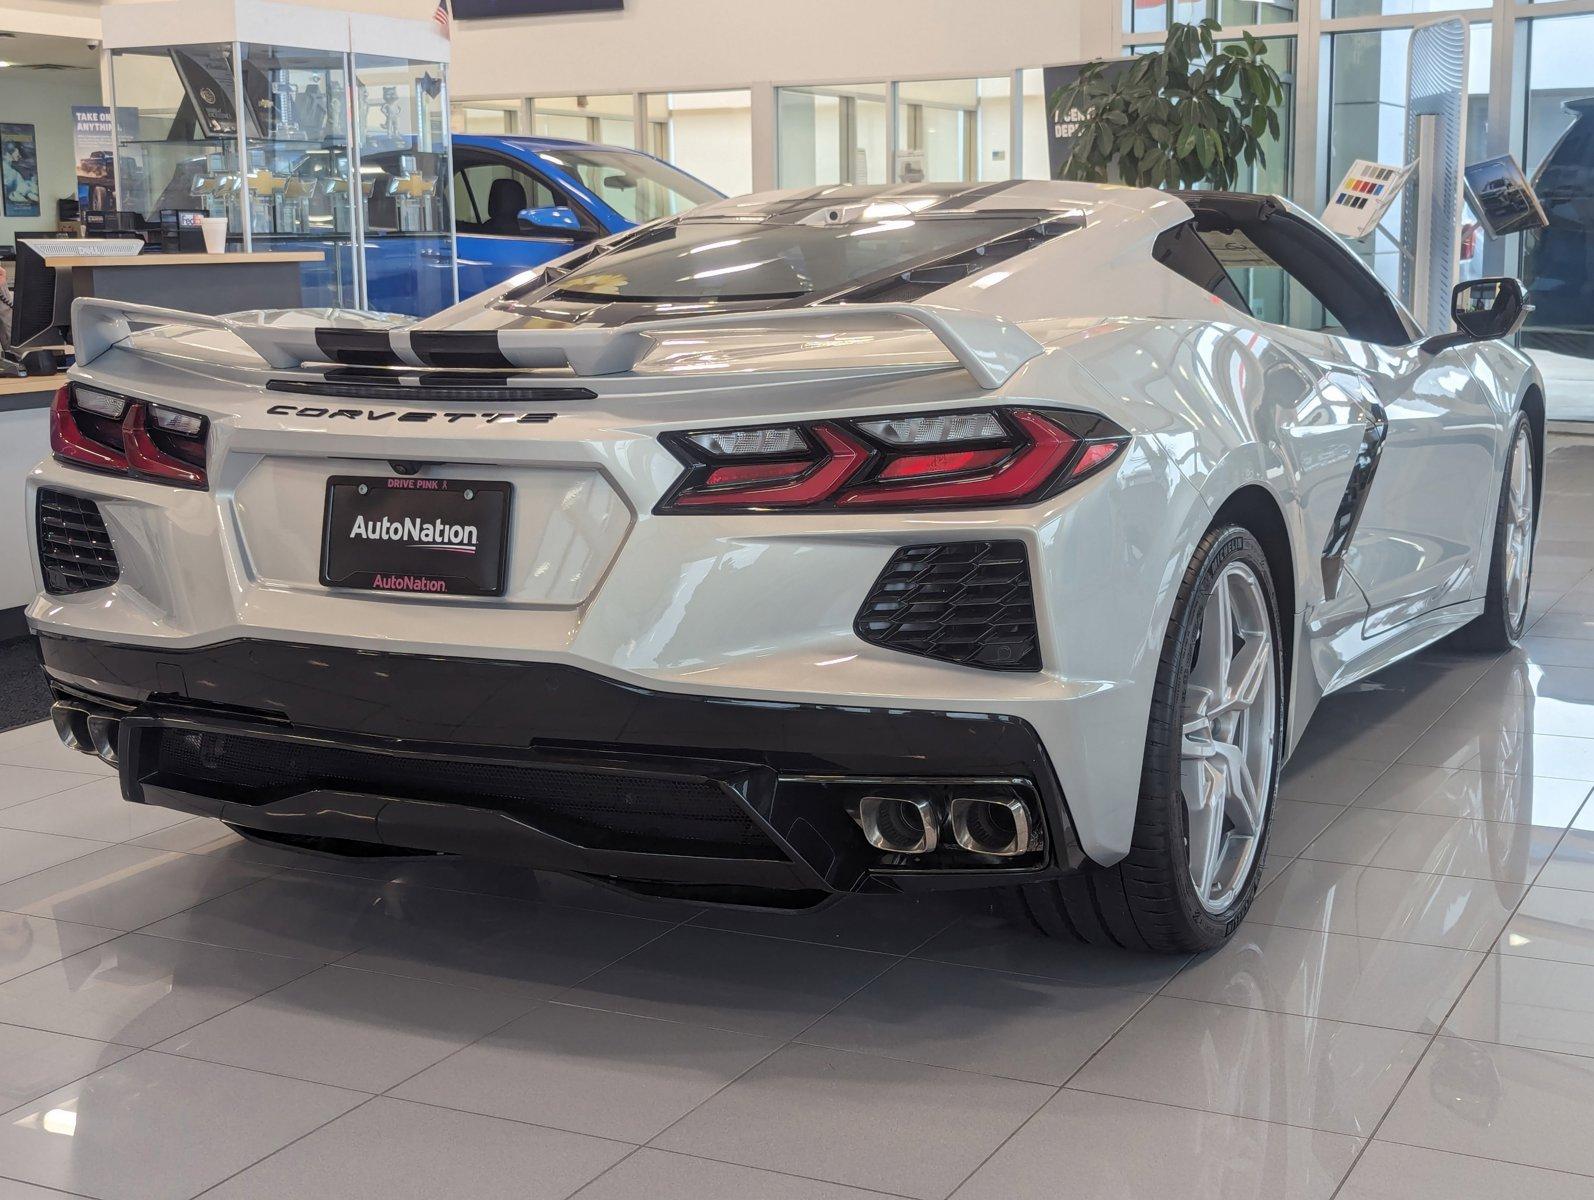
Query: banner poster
<point>1063,127</point>
<point>94,147</point>
<point>19,164</point>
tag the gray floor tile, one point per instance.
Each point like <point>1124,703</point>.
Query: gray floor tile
<point>395,1150</point>
<point>1576,625</point>
<point>1270,1066</point>
<point>1479,795</point>
<point>1017,1026</point>
<point>48,754</point>
<point>155,1127</point>
<point>1464,744</point>
<point>33,1062</point>
<point>1108,1148</point>
<point>123,887</point>
<point>353,1029</point>
<point>30,942</point>
<point>888,924</point>
<point>1556,651</point>
<point>1390,1172</point>
<point>1500,1102</point>
<point>18,785</point>
<point>1536,1003</point>
<point>1572,864</point>
<point>23,853</point>
<point>588,1071</point>
<point>999,944</point>
<point>138,990</point>
<point>1396,985</point>
<point>91,810</point>
<point>1552,923</point>
<point>832,1115</point>
<point>1340,739</point>
<point>739,981</point>
<point>531,950</point>
<point>1326,781</point>
<point>1296,823</point>
<point>661,1175</point>
<point>1437,845</point>
<point>12,1189</point>
<point>1435,910</point>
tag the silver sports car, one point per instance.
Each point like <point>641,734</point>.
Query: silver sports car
<point>841,540</point>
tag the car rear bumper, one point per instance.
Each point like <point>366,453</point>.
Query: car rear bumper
<point>548,765</point>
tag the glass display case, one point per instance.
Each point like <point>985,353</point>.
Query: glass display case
<point>280,140</point>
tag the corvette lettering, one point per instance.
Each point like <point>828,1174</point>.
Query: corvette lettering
<point>408,416</point>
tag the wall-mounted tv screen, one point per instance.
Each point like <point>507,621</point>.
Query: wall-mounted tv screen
<point>471,10</point>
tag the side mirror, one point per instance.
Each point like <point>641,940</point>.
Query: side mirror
<point>557,219</point>
<point>1483,310</point>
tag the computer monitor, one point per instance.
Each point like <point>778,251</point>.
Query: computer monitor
<point>33,324</point>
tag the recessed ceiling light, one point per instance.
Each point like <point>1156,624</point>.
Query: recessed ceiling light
<point>3,63</point>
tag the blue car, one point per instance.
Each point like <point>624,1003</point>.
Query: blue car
<point>520,201</point>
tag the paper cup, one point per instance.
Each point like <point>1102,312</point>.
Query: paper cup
<point>215,231</point>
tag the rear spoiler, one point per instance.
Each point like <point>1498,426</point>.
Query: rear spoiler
<point>990,348</point>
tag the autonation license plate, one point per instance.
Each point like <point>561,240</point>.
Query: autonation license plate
<point>444,537</point>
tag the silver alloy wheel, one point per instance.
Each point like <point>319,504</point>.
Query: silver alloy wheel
<point>1519,527</point>
<point>1227,747</point>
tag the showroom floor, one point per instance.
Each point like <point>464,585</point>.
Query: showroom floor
<point>1408,1012</point>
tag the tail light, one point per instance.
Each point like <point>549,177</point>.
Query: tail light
<point>90,428</point>
<point>981,458</point>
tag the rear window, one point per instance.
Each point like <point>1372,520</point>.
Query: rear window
<point>697,261</point>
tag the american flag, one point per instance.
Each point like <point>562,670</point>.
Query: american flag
<point>441,17</point>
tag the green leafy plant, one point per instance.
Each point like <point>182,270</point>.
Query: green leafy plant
<point>1185,115</point>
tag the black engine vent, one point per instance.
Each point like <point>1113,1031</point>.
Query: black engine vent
<point>75,550</point>
<point>969,603</point>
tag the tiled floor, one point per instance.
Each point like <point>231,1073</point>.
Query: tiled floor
<point>1408,1013</point>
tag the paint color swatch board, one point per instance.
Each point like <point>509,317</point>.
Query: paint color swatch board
<point>1363,197</point>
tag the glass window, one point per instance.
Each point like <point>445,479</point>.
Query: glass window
<point>637,187</point>
<point>489,195</point>
<point>954,130</point>
<point>729,261</point>
<point>834,134</point>
<point>607,120</point>
<point>1558,261</point>
<point>1374,8</point>
<point>1367,119</point>
<point>1153,16</point>
<point>487,117</point>
<point>706,134</point>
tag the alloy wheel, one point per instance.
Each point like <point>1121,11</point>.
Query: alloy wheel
<point>1227,747</point>
<point>1519,528</point>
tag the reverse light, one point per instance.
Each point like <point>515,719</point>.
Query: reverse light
<point>105,432</point>
<point>977,458</point>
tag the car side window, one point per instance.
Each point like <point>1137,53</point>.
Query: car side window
<point>490,194</point>
<point>1182,251</point>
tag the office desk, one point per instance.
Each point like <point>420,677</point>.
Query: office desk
<point>199,283</point>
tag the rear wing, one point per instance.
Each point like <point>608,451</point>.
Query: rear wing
<point>990,348</point>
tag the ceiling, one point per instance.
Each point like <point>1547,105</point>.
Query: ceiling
<point>25,50</point>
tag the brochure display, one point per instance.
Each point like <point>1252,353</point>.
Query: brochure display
<point>1502,196</point>
<point>336,144</point>
<point>1364,196</point>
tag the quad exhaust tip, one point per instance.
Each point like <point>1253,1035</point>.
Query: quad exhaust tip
<point>900,824</point>
<point>103,733</point>
<point>999,827</point>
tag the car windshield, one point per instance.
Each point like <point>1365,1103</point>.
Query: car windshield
<point>734,260</point>
<point>639,188</point>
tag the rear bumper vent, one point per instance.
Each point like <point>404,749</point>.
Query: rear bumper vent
<point>75,551</point>
<point>969,603</point>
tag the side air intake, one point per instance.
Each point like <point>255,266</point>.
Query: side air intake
<point>75,551</point>
<point>969,603</point>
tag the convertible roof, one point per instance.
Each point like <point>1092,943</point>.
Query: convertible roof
<point>843,202</point>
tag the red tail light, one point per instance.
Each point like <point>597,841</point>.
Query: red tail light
<point>981,458</point>
<point>90,428</point>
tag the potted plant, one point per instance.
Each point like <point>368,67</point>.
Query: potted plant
<point>1185,115</point>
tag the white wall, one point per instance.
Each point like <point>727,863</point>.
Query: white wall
<point>45,101</point>
<point>24,440</point>
<point>681,45</point>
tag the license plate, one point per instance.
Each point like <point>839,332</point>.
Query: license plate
<point>441,537</point>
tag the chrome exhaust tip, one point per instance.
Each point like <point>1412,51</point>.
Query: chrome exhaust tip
<point>899,824</point>
<point>71,726</point>
<point>999,827</point>
<point>103,734</point>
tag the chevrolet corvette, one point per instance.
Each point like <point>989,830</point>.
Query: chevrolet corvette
<point>846,540</point>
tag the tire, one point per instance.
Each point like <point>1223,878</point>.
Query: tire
<point>1502,622</point>
<point>1149,900</point>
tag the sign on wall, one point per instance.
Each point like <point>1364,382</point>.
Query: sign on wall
<point>1062,128</point>
<point>470,10</point>
<point>19,165</point>
<point>94,148</point>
